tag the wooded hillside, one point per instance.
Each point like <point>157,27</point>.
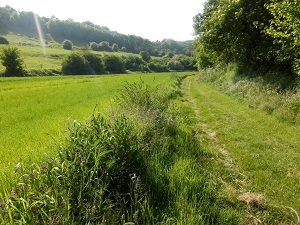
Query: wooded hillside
<point>85,33</point>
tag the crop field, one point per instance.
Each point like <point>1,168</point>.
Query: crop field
<point>36,111</point>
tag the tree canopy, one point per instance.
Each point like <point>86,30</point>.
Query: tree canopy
<point>12,61</point>
<point>257,33</point>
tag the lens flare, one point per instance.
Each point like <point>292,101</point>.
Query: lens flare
<point>41,37</point>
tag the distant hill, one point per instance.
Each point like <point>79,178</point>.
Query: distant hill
<point>84,33</point>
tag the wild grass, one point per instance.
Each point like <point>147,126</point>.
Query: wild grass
<point>141,166</point>
<point>274,93</point>
<point>259,147</point>
<point>35,111</point>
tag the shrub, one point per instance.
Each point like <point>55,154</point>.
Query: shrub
<point>114,64</point>
<point>75,64</point>
<point>3,40</point>
<point>104,46</point>
<point>94,63</point>
<point>145,56</point>
<point>124,49</point>
<point>157,67</point>
<point>115,47</point>
<point>12,61</point>
<point>94,46</point>
<point>134,63</point>
<point>188,63</point>
<point>175,65</point>
<point>67,44</point>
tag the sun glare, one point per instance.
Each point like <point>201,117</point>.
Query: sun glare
<point>41,37</point>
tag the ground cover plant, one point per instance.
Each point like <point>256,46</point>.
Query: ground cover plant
<point>35,111</point>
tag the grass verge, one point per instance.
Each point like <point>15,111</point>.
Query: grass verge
<point>259,149</point>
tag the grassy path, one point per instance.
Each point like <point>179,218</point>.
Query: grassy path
<point>262,152</point>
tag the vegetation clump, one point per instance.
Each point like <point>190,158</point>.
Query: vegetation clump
<point>3,41</point>
<point>114,64</point>
<point>67,44</point>
<point>12,61</point>
<point>258,34</point>
<point>82,64</point>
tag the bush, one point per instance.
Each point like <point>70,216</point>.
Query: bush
<point>12,61</point>
<point>104,46</point>
<point>115,47</point>
<point>175,65</point>
<point>94,63</point>
<point>67,44</point>
<point>94,46</point>
<point>188,63</point>
<point>75,64</point>
<point>3,41</point>
<point>145,56</point>
<point>157,67</point>
<point>79,64</point>
<point>134,63</point>
<point>114,64</point>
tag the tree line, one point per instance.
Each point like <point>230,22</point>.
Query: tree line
<point>257,33</point>
<point>86,62</point>
<point>88,32</point>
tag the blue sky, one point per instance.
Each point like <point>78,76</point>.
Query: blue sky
<point>155,19</point>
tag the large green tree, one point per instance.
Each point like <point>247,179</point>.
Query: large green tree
<point>11,60</point>
<point>234,31</point>
<point>285,29</point>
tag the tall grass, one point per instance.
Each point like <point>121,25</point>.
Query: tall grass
<point>35,111</point>
<point>141,166</point>
<point>273,91</point>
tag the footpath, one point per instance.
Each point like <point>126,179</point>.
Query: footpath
<point>260,152</point>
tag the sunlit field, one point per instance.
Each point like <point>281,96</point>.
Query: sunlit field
<point>36,111</point>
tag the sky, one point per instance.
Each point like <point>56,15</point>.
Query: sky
<point>151,19</point>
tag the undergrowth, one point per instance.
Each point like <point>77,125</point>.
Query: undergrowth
<point>272,91</point>
<point>143,165</point>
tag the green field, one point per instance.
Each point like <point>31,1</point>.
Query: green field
<point>36,111</point>
<point>213,160</point>
<point>216,157</point>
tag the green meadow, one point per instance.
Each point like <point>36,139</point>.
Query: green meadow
<point>37,110</point>
<point>166,148</point>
